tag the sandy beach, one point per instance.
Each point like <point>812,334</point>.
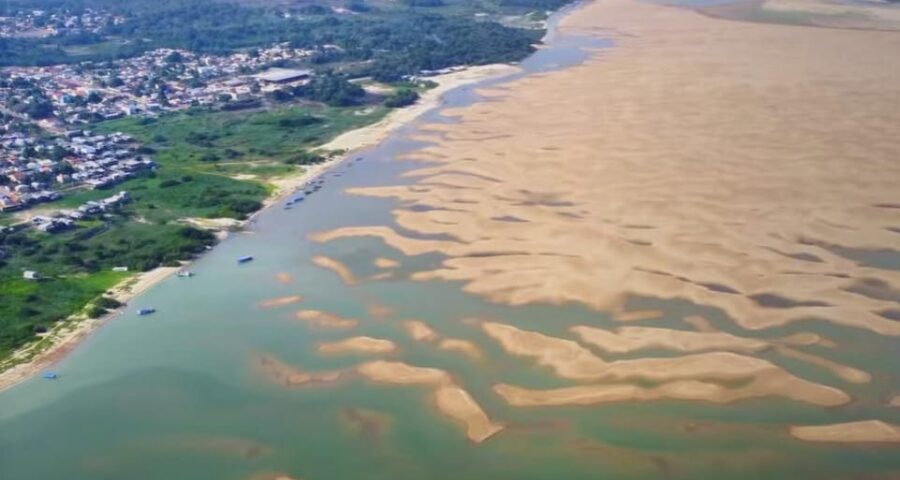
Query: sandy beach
<point>65,336</point>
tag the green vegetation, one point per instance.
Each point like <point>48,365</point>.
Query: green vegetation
<point>395,39</point>
<point>401,98</point>
<point>76,267</point>
<point>200,152</point>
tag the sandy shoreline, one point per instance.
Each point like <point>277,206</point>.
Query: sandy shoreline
<point>68,334</point>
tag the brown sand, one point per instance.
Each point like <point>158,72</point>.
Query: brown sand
<point>450,399</point>
<point>458,404</point>
<point>638,315</point>
<point>399,373</point>
<point>631,339</point>
<point>420,331</point>
<point>465,347</point>
<point>318,318</point>
<point>289,376</point>
<point>362,345</point>
<point>895,402</point>
<point>343,271</point>
<point>705,160</point>
<point>382,262</point>
<point>570,360</point>
<point>848,374</point>
<point>853,432</point>
<point>280,301</point>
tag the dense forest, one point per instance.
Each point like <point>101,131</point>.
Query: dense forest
<point>386,42</point>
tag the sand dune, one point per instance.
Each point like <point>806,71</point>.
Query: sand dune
<point>343,271</point>
<point>280,301</point>
<point>741,189</point>
<point>322,319</point>
<point>689,374</point>
<point>631,339</point>
<point>358,345</point>
<point>852,432</point>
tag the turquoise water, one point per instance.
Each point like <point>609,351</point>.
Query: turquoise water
<point>177,395</point>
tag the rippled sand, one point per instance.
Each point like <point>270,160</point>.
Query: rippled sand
<point>749,169</point>
<point>740,166</point>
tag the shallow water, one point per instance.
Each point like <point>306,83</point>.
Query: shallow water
<point>177,394</point>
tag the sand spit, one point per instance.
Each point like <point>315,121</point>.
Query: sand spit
<point>290,376</point>
<point>691,373</point>
<point>458,404</point>
<point>420,331</point>
<point>362,345</point>
<point>866,431</point>
<point>343,271</point>
<point>631,339</point>
<point>465,347</point>
<point>382,262</point>
<point>320,319</point>
<point>450,399</point>
<point>706,195</point>
<point>280,301</point>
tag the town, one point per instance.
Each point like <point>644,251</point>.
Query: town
<point>46,148</point>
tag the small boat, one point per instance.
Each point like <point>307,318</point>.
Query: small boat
<point>287,207</point>
<point>297,199</point>
<point>185,274</point>
<point>146,311</point>
<point>245,259</point>
<point>50,375</point>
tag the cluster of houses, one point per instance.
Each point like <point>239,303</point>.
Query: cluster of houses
<point>157,81</point>
<point>34,169</point>
<point>43,23</point>
<point>65,219</point>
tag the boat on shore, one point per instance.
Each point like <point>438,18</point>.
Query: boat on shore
<point>185,274</point>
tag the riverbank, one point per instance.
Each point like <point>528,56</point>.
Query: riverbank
<point>68,334</point>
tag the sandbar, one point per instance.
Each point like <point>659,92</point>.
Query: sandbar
<point>865,431</point>
<point>343,271</point>
<point>322,319</point>
<point>465,347</point>
<point>420,331</point>
<point>361,344</point>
